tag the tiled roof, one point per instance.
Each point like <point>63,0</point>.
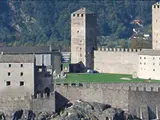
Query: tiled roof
<point>83,11</point>
<point>17,58</point>
<point>24,49</point>
<point>149,52</point>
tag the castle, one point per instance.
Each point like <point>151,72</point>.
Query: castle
<point>143,63</point>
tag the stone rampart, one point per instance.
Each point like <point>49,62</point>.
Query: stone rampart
<point>141,99</point>
<point>116,60</point>
<point>38,104</point>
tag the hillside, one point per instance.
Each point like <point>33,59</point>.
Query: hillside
<point>45,22</point>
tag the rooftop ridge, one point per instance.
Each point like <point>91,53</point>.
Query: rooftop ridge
<point>83,10</point>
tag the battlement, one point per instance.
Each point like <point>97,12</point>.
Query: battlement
<point>118,49</point>
<point>115,86</point>
<point>42,96</point>
<point>157,5</point>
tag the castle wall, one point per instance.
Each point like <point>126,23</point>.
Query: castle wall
<point>42,103</point>
<point>116,60</point>
<point>140,99</point>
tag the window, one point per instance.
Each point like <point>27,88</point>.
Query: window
<point>21,83</point>
<point>77,15</point>
<point>21,65</point>
<point>153,69</point>
<point>81,15</point>
<point>80,48</point>
<point>140,57</point>
<point>144,63</point>
<point>9,65</point>
<point>140,63</point>
<point>80,55</point>
<point>144,57</point>
<point>9,73</point>
<point>8,83</point>
<point>73,15</point>
<point>153,58</point>
<point>153,63</point>
<point>77,31</point>
<point>154,6</point>
<point>21,73</point>
<point>158,6</point>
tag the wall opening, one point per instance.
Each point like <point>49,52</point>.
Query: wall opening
<point>21,73</point>
<point>9,73</point>
<point>9,65</point>
<point>21,83</point>
<point>21,65</point>
<point>47,91</point>
<point>8,83</point>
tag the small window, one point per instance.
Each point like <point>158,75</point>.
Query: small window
<point>80,48</point>
<point>21,83</point>
<point>154,6</point>
<point>77,31</point>
<point>9,73</point>
<point>77,15</point>
<point>80,55</point>
<point>21,73</point>
<point>140,63</point>
<point>153,69</point>
<point>21,65</point>
<point>8,83</point>
<point>73,15</point>
<point>140,57</point>
<point>153,58</point>
<point>144,63</point>
<point>144,57</point>
<point>81,15</point>
<point>153,63</point>
<point>9,65</point>
<point>158,6</point>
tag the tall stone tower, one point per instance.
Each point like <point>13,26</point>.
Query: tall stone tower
<point>156,26</point>
<point>83,37</point>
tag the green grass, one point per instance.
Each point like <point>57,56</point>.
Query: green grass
<point>101,78</point>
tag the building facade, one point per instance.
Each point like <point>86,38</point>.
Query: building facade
<point>83,37</point>
<point>17,75</point>
<point>45,55</point>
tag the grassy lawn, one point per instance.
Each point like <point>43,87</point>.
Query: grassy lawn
<point>101,78</point>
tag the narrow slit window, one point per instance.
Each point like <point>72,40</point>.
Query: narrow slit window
<point>21,73</point>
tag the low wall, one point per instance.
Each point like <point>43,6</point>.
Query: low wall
<point>116,60</point>
<point>9,105</point>
<point>140,99</point>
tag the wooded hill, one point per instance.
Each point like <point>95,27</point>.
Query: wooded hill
<point>26,22</point>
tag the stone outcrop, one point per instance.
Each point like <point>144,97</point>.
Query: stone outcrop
<point>76,110</point>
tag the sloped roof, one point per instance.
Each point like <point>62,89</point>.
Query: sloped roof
<point>17,58</point>
<point>83,11</point>
<point>26,49</point>
<point>157,3</point>
<point>149,52</point>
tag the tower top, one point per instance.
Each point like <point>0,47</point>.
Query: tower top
<point>83,11</point>
<point>157,3</point>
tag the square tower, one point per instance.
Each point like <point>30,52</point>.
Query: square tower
<point>156,26</point>
<point>83,37</point>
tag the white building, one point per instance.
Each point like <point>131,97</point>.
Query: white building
<point>17,75</point>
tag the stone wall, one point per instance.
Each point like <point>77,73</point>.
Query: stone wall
<point>38,104</point>
<point>140,99</point>
<point>116,60</point>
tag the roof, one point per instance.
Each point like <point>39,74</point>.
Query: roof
<point>149,52</point>
<point>26,49</point>
<point>83,11</point>
<point>157,3</point>
<point>17,58</point>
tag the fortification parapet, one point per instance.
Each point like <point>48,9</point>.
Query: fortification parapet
<point>118,49</point>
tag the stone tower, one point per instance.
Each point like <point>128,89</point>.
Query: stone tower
<point>156,26</point>
<point>83,37</point>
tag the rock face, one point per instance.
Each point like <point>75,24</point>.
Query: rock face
<point>77,110</point>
